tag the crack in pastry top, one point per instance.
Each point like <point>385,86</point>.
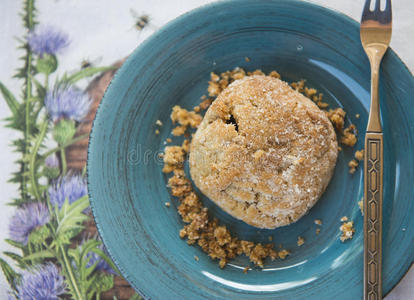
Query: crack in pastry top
<point>264,152</point>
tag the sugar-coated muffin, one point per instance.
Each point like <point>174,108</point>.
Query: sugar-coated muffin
<point>264,153</point>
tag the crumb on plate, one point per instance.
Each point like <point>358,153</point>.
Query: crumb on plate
<point>348,231</point>
<point>361,205</point>
<point>337,117</point>
<point>353,164</point>
<point>318,222</point>
<point>359,154</point>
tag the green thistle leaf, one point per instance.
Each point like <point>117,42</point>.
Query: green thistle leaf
<point>102,283</point>
<point>11,101</point>
<point>17,258</point>
<point>41,91</point>
<point>84,73</point>
<point>14,244</point>
<point>106,259</point>
<point>70,219</point>
<point>38,236</point>
<point>39,255</point>
<point>11,276</point>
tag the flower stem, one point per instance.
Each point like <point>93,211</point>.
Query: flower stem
<point>61,147</point>
<point>32,160</point>
<point>71,276</point>
<point>46,81</point>
<point>63,160</point>
<point>28,95</point>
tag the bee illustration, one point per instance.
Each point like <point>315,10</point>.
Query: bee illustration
<point>141,21</point>
<point>87,63</point>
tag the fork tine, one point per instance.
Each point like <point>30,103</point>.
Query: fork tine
<point>367,6</point>
<point>377,5</point>
<point>388,12</point>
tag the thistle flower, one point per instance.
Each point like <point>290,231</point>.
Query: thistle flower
<point>101,264</point>
<point>68,187</point>
<point>52,161</point>
<point>67,102</point>
<point>47,40</point>
<point>42,282</point>
<point>26,220</point>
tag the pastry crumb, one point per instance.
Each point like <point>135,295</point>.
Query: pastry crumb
<point>157,132</point>
<point>158,122</point>
<point>359,154</point>
<point>256,72</point>
<point>361,206</point>
<point>274,74</point>
<point>247,59</point>
<point>349,136</point>
<point>196,108</point>
<point>322,104</point>
<point>179,130</point>
<point>185,117</point>
<point>299,86</point>
<point>167,204</point>
<point>196,258</point>
<point>168,140</point>
<point>348,230</point>
<point>353,164</point>
<point>205,104</point>
<point>318,222</point>
<point>357,116</point>
<point>173,157</point>
<point>300,241</point>
<point>337,117</point>
<point>283,254</point>
<point>318,230</point>
<point>344,219</point>
<point>246,269</point>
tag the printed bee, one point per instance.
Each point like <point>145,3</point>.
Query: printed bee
<point>87,63</point>
<point>141,21</point>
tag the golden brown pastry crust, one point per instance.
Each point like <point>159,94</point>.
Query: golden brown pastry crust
<point>275,166</point>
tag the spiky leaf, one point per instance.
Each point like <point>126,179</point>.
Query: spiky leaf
<point>11,276</point>
<point>11,101</point>
<point>84,73</point>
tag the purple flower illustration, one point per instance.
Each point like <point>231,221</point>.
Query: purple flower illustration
<point>47,40</point>
<point>26,220</point>
<point>101,265</point>
<point>52,161</point>
<point>42,282</point>
<point>67,102</point>
<point>68,187</point>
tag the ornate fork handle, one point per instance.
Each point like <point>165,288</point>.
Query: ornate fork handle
<point>373,168</point>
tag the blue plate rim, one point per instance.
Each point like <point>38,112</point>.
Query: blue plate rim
<point>159,32</point>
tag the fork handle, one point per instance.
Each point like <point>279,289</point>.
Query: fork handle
<point>373,180</point>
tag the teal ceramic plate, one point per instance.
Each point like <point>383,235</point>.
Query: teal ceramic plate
<point>128,190</point>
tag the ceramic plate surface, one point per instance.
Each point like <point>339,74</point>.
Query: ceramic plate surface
<point>128,190</point>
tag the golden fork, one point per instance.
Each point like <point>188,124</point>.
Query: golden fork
<point>376,26</point>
